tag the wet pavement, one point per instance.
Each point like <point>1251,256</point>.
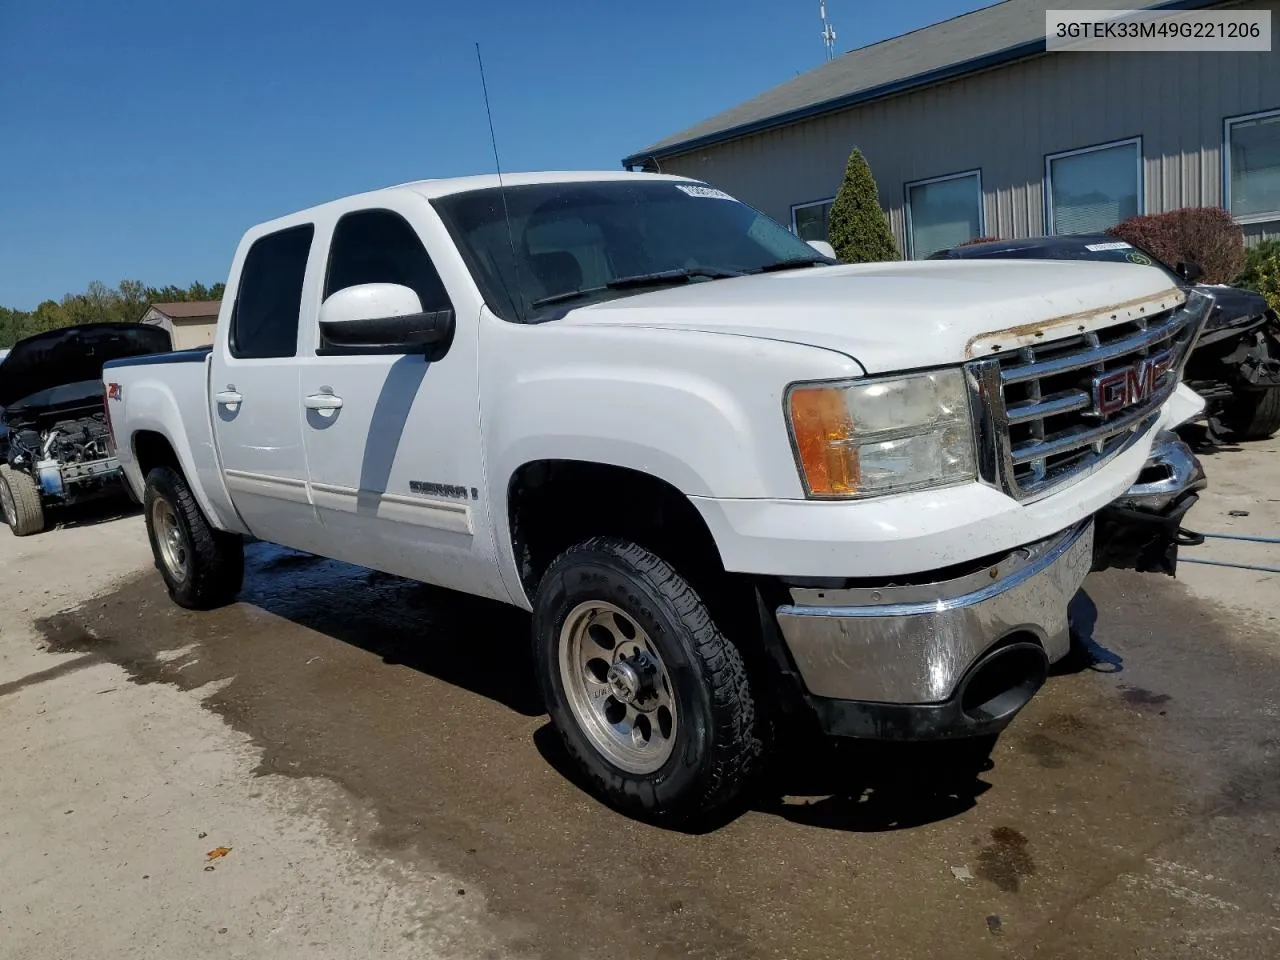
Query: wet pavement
<point>1132,810</point>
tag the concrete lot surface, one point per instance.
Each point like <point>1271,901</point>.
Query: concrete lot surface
<point>373,754</point>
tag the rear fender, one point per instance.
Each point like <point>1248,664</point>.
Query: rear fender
<point>152,406</point>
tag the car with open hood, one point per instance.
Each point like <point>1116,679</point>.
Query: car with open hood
<point>54,416</point>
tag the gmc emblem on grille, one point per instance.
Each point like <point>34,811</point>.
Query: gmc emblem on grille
<point>1117,389</point>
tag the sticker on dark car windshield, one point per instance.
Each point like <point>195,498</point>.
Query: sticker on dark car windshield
<point>1139,258</point>
<point>1099,247</point>
<point>697,190</point>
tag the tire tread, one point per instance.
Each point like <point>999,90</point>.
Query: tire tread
<point>736,753</point>
<point>1258,421</point>
<point>217,557</point>
<point>28,507</point>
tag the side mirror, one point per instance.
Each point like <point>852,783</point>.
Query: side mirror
<point>824,248</point>
<point>1189,271</point>
<point>382,318</point>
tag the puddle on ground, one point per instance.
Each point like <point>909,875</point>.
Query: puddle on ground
<point>422,703</point>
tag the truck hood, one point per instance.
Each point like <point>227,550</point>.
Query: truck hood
<point>898,316</point>
<point>72,355</point>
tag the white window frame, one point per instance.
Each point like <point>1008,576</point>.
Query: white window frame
<point>1227,124</point>
<point>800,206</point>
<point>1047,185</point>
<point>906,202</point>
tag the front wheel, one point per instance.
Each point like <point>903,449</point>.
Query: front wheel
<point>1255,415</point>
<point>202,567</point>
<point>652,701</point>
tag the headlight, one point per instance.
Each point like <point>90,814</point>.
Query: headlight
<point>869,438</point>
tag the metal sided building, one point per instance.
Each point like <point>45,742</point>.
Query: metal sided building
<point>972,129</point>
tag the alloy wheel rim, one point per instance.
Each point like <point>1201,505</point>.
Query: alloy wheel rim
<point>172,544</point>
<point>617,687</point>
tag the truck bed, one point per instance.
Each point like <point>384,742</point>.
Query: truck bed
<point>164,398</point>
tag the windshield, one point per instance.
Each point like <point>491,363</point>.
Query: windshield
<point>575,243</point>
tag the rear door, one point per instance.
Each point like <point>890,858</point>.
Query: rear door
<point>253,392</point>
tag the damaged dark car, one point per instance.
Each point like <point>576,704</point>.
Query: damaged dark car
<point>1235,365</point>
<point>1142,529</point>
<point>55,418</point>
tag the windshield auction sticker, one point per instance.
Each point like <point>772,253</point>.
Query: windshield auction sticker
<point>697,190</point>
<point>1156,31</point>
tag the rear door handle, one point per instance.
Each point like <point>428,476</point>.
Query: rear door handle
<point>228,398</point>
<point>322,401</point>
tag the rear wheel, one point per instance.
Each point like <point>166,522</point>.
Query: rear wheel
<point>202,567</point>
<point>20,498</point>
<point>651,700</point>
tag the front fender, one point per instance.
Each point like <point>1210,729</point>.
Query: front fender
<point>703,412</point>
<point>700,411</point>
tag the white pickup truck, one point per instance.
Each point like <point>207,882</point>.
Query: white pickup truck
<point>729,477</point>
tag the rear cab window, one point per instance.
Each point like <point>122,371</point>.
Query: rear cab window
<point>264,320</point>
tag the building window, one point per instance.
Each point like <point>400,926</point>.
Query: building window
<point>1253,166</point>
<point>1090,190</point>
<point>809,220</point>
<point>943,212</point>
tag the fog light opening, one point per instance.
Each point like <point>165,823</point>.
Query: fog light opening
<point>1003,681</point>
<point>1154,473</point>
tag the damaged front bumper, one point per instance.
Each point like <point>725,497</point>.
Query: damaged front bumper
<point>959,653</point>
<point>938,659</point>
<point>1142,530</point>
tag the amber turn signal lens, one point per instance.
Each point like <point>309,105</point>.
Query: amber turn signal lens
<point>823,431</point>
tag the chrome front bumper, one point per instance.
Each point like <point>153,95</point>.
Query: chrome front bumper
<point>913,644</point>
<point>1171,472</point>
<point>1142,530</point>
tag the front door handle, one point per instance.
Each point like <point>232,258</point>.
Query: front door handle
<point>228,398</point>
<point>326,402</point>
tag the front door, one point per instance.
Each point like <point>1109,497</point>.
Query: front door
<point>393,439</point>
<point>253,393</point>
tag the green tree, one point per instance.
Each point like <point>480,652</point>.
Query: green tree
<point>123,304</point>
<point>133,299</point>
<point>1268,280</point>
<point>857,227</point>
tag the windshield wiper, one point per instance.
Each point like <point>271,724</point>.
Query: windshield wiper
<point>658,278</point>
<point>792,263</point>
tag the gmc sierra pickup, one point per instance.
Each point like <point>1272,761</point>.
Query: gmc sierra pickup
<point>728,476</point>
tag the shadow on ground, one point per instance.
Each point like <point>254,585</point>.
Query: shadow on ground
<point>451,636</point>
<point>92,512</point>
<point>1086,652</point>
<point>479,645</point>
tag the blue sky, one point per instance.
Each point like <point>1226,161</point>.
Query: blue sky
<point>139,138</point>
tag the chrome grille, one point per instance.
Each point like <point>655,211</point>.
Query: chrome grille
<point>1050,413</point>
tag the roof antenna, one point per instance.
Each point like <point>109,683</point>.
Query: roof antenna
<point>828,31</point>
<point>515,263</point>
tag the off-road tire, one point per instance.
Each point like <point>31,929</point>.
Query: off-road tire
<point>215,558</point>
<point>718,749</point>
<point>27,515</point>
<point>1254,415</point>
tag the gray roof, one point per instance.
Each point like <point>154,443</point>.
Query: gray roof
<point>188,309</point>
<point>984,38</point>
